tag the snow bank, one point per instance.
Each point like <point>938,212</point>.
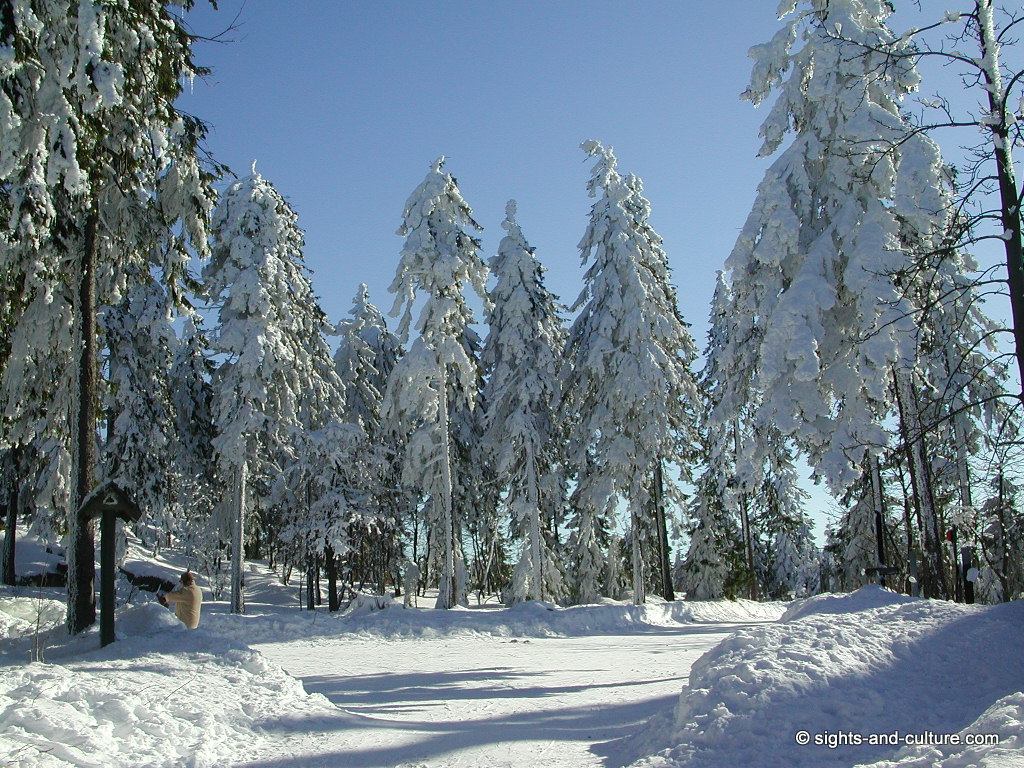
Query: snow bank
<point>864,599</point>
<point>33,556</point>
<point>542,619</point>
<point>19,615</point>
<point>867,663</point>
<point>162,696</point>
<point>1004,719</point>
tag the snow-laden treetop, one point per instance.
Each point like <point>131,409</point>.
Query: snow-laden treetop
<point>438,257</point>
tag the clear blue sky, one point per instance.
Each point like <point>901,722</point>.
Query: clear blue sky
<point>345,105</point>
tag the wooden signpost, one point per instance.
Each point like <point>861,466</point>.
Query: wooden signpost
<point>108,502</point>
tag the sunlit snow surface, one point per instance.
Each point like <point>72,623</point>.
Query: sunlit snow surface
<point>533,685</point>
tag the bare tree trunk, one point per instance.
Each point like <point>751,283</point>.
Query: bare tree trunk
<point>878,502</point>
<point>238,543</point>
<point>917,458</point>
<point>446,587</point>
<point>663,549</point>
<point>639,577</point>
<point>9,502</point>
<point>81,551</point>
<point>310,583</point>
<point>536,528</point>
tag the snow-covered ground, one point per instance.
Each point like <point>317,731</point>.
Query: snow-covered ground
<point>530,685</point>
<point>473,698</point>
<point>842,670</point>
<point>533,685</point>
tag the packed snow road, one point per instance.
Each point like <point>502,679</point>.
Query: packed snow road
<point>480,700</point>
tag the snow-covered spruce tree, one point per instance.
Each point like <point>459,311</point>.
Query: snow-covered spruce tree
<point>988,190</point>
<point>201,531</point>
<point>521,361</point>
<point>139,451</point>
<point>719,484</point>
<point>787,545</point>
<point>589,524</point>
<point>859,548</point>
<point>1002,541</point>
<point>704,571</point>
<point>367,354</point>
<point>439,258</point>
<point>630,400</point>
<point>816,323</point>
<point>277,378</point>
<point>101,168</point>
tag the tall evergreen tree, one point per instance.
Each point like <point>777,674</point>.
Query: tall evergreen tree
<point>101,169</point>
<point>201,530</point>
<point>630,397</point>
<point>141,436</point>
<point>816,323</point>
<point>522,360</point>
<point>439,258</point>
<point>277,379</point>
<point>367,354</point>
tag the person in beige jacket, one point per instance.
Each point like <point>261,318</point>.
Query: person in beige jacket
<point>187,599</point>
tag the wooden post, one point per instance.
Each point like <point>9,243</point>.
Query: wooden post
<point>108,534</point>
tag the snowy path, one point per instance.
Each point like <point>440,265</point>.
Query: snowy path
<point>480,701</point>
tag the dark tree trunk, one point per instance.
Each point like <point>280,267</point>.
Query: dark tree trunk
<point>10,498</point>
<point>663,549</point>
<point>310,584</point>
<point>82,570</point>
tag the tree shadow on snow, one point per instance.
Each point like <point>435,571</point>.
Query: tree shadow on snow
<point>431,739</point>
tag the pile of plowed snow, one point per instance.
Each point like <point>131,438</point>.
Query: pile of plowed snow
<point>161,696</point>
<point>860,677</point>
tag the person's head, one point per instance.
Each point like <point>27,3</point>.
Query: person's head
<point>188,579</point>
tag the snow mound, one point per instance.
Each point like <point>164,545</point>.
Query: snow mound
<point>364,603</point>
<point>542,619</point>
<point>864,599</point>
<point>1004,719</point>
<point>33,555</point>
<point>182,702</point>
<point>19,615</point>
<point>146,620</point>
<point>907,666</point>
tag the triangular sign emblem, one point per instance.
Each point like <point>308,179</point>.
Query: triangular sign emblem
<point>110,500</point>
